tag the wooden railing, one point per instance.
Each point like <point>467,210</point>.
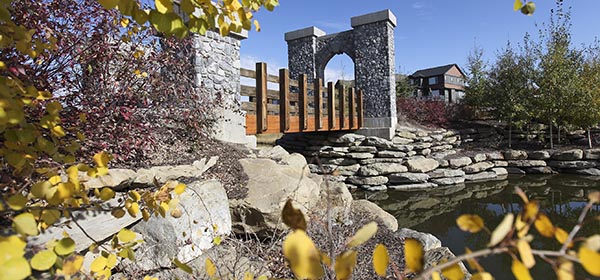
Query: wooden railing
<point>292,109</point>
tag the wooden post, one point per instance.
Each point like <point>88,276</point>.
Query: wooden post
<point>352,106</point>
<point>342,94</point>
<point>360,108</point>
<point>284,100</point>
<point>331,105</point>
<point>318,83</point>
<point>303,102</point>
<point>261,97</point>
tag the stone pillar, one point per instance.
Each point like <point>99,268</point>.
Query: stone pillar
<point>374,71</point>
<point>302,47</point>
<point>217,71</point>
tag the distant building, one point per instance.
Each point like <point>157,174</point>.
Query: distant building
<point>443,82</point>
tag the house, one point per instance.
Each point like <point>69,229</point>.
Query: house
<point>443,82</point>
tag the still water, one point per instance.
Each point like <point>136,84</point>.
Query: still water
<point>435,211</point>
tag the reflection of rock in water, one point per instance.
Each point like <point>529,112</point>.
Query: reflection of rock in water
<point>412,208</point>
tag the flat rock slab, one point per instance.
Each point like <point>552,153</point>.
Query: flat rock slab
<point>448,181</point>
<point>445,173</point>
<point>460,162</point>
<point>575,154</point>
<point>422,165</point>
<point>391,154</point>
<point>373,181</point>
<point>377,169</point>
<point>526,163</point>
<point>413,187</point>
<point>478,167</point>
<point>572,164</point>
<point>539,155</point>
<point>408,178</point>
<point>515,154</point>
<point>486,175</point>
<point>591,154</point>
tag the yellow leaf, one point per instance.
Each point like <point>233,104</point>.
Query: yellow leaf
<point>436,276</point>
<point>65,246</point>
<point>517,5</point>
<point>15,269</point>
<point>594,197</point>
<point>262,277</point>
<point>561,235</point>
<point>589,260</point>
<point>135,196</point>
<point>40,189</point>
<point>325,259</point>
<point>482,276</point>
<point>544,226</point>
<point>124,22</point>
<point>54,180</point>
<point>217,240</point>
<point>293,217</point>
<point>521,226</point>
<point>145,214</point>
<point>183,266</point>
<point>109,4</point>
<point>344,264</point>
<point>413,254</point>
<point>98,264</point>
<point>520,271</point>
<point>565,271</point>
<point>248,276</point>
<point>256,25</point>
<point>453,272</point>
<point>593,242</point>
<point>473,262</point>
<point>111,261</point>
<point>530,211</point>
<point>25,224</point>
<point>72,265</point>
<point>381,260</point>
<point>43,260</point>
<point>101,159</point>
<point>58,131</point>
<point>134,209</point>
<point>302,255</point>
<point>50,216</point>
<point>126,235</point>
<point>363,235</point>
<point>211,269</point>
<point>187,6</point>
<point>106,193</point>
<point>180,188</point>
<point>502,230</point>
<point>164,6</point>
<point>16,202</point>
<point>118,213</point>
<point>525,253</point>
<point>470,223</point>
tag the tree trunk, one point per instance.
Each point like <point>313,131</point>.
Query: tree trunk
<point>589,134</point>
<point>558,134</point>
<point>528,132</point>
<point>551,140</point>
<point>510,133</point>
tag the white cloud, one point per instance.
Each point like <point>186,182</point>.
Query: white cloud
<point>334,74</point>
<point>249,62</point>
<point>418,5</point>
<point>331,25</point>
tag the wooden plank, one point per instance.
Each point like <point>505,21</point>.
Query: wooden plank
<point>341,89</point>
<point>247,73</point>
<point>303,101</point>
<point>294,124</point>
<point>352,105</point>
<point>261,97</point>
<point>360,108</point>
<point>330,106</point>
<point>318,105</point>
<point>284,103</point>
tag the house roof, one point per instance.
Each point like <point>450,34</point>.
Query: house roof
<point>435,71</point>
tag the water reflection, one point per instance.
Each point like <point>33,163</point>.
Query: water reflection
<point>561,197</point>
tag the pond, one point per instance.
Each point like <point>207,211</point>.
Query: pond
<point>435,211</point>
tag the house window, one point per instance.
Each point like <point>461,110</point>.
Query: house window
<point>433,80</point>
<point>435,93</point>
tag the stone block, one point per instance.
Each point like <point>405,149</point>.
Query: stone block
<point>373,181</point>
<point>459,162</point>
<point>539,155</point>
<point>422,165</point>
<point>391,154</point>
<point>526,163</point>
<point>486,175</point>
<point>444,173</point>
<point>413,187</point>
<point>591,154</point>
<point>574,154</point>
<point>408,178</point>
<point>515,154</point>
<point>478,167</point>
<point>377,169</point>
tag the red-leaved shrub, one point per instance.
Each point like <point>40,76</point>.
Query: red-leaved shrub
<point>425,111</point>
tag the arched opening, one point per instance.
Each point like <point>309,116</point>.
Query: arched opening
<point>339,67</point>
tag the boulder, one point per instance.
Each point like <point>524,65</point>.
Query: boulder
<point>339,161</point>
<point>116,179</point>
<point>494,156</point>
<point>422,165</point>
<point>276,153</point>
<point>347,138</point>
<point>373,181</point>
<point>460,162</point>
<point>515,154</point>
<point>406,134</point>
<point>374,188</point>
<point>572,164</point>
<point>380,143</point>
<point>348,170</point>
<point>331,154</point>
<point>363,149</point>
<point>448,181</point>
<point>526,163</point>
<point>515,170</point>
<point>377,169</point>
<point>360,155</point>
<point>366,208</point>
<point>339,199</point>
<point>402,148</point>
<point>413,187</point>
<point>539,155</point>
<point>500,163</point>
<point>479,157</point>
<point>486,175</point>
<point>444,173</point>
<point>436,255</point>
<point>205,215</point>
<point>591,154</point>
<point>408,178</point>
<point>391,154</point>
<point>428,241</point>
<point>401,140</point>
<point>478,167</point>
<point>295,160</point>
<point>540,170</point>
<point>162,174</point>
<point>574,154</point>
<point>269,186</point>
<point>500,171</point>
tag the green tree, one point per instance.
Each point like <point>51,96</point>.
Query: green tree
<point>586,109</point>
<point>507,90</point>
<point>560,69</point>
<point>477,80</point>
<point>403,86</point>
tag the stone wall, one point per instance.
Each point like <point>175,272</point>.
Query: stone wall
<point>216,61</point>
<point>421,159</point>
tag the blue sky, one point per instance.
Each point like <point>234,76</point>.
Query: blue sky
<point>429,32</point>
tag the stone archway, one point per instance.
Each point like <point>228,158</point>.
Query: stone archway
<point>370,45</point>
